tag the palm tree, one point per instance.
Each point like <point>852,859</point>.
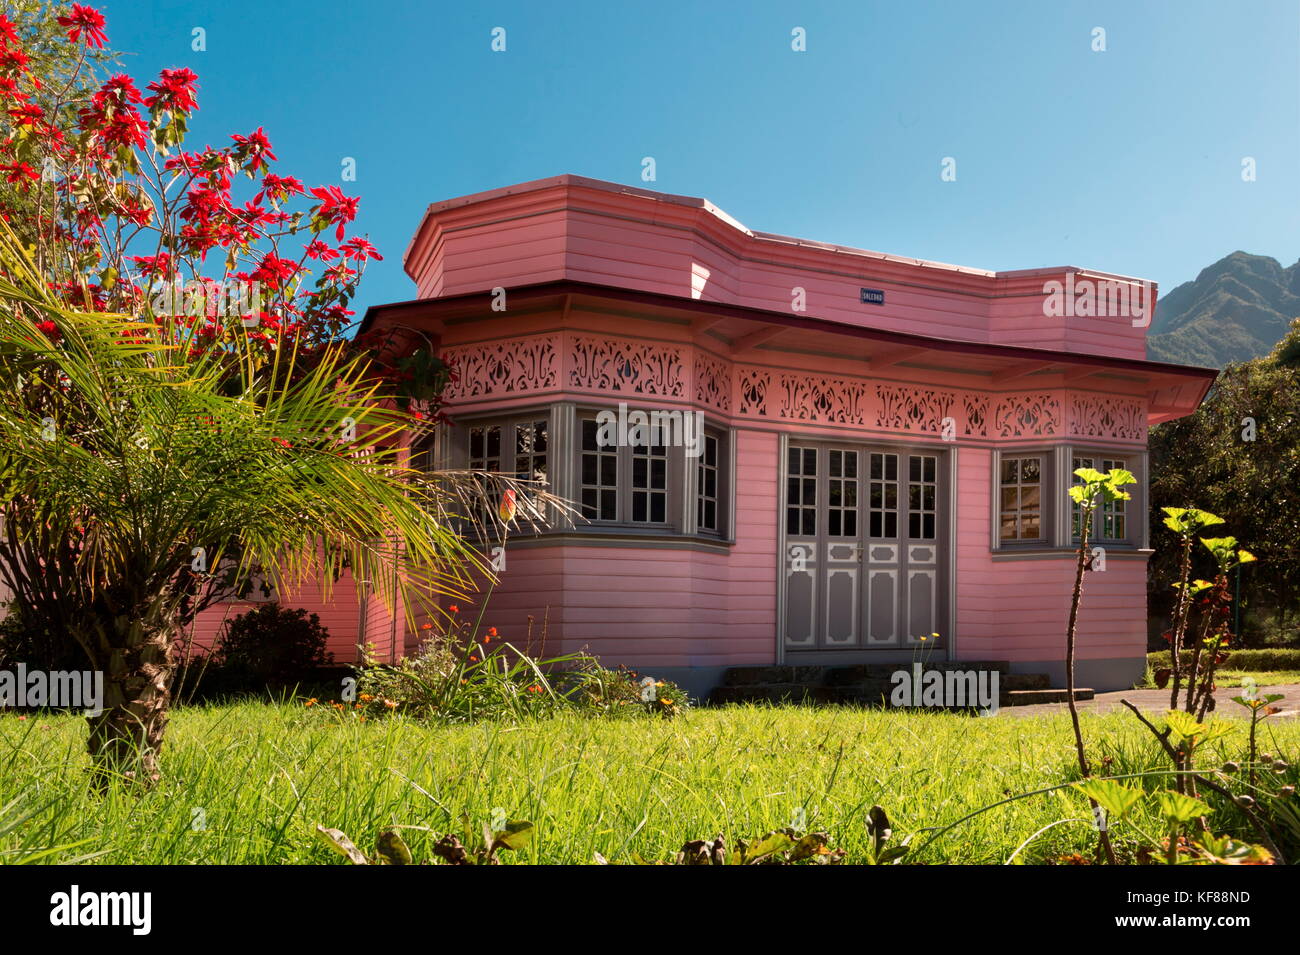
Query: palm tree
<point>140,480</point>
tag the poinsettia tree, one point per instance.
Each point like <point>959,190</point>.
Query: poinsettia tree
<point>180,405</point>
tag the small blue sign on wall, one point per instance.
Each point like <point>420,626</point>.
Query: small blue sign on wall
<point>873,296</point>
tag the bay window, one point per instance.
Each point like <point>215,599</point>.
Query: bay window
<point>652,482</point>
<point>1032,510</point>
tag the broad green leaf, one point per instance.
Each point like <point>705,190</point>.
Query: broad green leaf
<point>1182,726</point>
<point>1113,796</point>
<point>1178,808</point>
<point>1227,851</point>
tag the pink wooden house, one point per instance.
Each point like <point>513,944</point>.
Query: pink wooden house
<point>884,450</point>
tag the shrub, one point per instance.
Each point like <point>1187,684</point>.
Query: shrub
<point>1257,661</point>
<point>29,643</point>
<point>271,646</point>
<point>458,676</point>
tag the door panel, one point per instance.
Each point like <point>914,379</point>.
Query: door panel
<point>864,565</point>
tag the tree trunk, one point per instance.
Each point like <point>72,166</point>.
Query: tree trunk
<point>126,737</point>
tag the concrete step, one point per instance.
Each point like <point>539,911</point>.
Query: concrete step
<point>762,675</point>
<point>871,684</point>
<point>1024,681</point>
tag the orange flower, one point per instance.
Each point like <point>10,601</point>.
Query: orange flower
<point>492,631</point>
<point>473,659</point>
<point>426,626</point>
<point>453,609</point>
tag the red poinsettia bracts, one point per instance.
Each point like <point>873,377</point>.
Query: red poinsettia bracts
<point>134,222</point>
<point>85,21</point>
<point>335,209</point>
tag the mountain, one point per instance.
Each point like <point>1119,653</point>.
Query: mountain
<point>1236,309</point>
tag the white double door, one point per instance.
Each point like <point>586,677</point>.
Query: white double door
<point>864,561</point>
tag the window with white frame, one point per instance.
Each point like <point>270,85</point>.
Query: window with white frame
<point>519,447</point>
<point>708,491</point>
<point>652,482</point>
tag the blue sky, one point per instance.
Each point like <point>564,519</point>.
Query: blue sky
<point>1127,160</point>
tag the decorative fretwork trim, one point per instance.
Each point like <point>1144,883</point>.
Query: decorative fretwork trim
<point>648,369</point>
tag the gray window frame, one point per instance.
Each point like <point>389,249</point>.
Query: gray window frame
<point>1047,507</point>
<point>1135,510</point>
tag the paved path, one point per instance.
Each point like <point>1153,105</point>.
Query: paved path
<point>1157,701</point>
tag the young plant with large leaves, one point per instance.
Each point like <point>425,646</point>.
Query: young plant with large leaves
<point>139,483</point>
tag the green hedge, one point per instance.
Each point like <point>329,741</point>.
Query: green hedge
<point>1255,661</point>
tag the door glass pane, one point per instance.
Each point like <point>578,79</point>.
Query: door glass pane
<point>801,492</point>
<point>882,495</point>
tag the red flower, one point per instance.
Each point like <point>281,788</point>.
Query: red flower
<point>360,250</point>
<point>174,90</point>
<point>19,171</point>
<point>316,249</point>
<point>86,20</point>
<point>27,115</point>
<point>13,60</point>
<point>335,208</point>
<point>274,271</point>
<point>279,188</point>
<point>282,442</point>
<point>49,330</point>
<point>255,149</point>
<point>119,88</point>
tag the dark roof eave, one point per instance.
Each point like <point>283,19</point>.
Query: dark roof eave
<point>748,313</point>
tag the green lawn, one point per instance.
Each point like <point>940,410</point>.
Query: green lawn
<point>247,783</point>
<point>1229,678</point>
